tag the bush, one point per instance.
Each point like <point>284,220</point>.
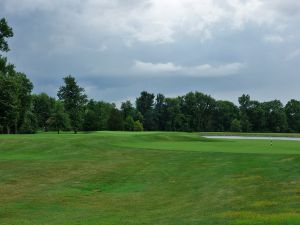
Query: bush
<point>129,123</point>
<point>138,126</point>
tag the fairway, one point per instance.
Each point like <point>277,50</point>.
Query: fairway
<point>147,178</point>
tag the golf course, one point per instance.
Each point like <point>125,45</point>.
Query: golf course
<point>166,178</point>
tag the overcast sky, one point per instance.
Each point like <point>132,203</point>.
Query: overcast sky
<point>118,48</point>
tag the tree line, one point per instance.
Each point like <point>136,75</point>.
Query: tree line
<point>24,112</point>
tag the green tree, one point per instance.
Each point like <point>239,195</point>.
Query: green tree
<point>224,115</point>
<point>5,32</point>
<point>29,126</point>
<point>8,97</point>
<point>276,120</point>
<point>244,101</point>
<point>129,123</point>
<point>105,111</point>
<point>96,115</point>
<point>257,116</point>
<point>92,115</point>
<point>198,109</point>
<point>74,101</point>
<point>172,115</point>
<point>59,120</point>
<point>292,110</point>
<point>90,121</point>
<point>15,97</point>
<point>159,110</point>
<point>15,88</point>
<point>43,108</point>
<point>138,126</point>
<point>235,126</point>
<point>8,102</point>
<point>127,109</point>
<point>115,121</point>
<point>144,104</point>
<point>23,90</point>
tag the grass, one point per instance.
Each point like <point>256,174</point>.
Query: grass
<point>147,178</point>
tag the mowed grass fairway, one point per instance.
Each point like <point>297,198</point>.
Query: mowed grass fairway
<point>147,178</point>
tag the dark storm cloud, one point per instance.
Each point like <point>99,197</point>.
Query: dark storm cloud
<point>118,48</point>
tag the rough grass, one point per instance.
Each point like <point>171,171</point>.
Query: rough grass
<point>147,178</point>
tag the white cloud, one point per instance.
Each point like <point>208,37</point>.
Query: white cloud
<point>274,39</point>
<point>293,55</point>
<point>205,70</point>
<point>247,11</point>
<point>156,67</point>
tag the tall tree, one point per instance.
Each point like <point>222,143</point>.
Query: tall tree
<point>92,117</point>
<point>15,96</point>
<point>275,116</point>
<point>8,103</point>
<point>8,98</point>
<point>127,109</point>
<point>23,90</point>
<point>59,119</point>
<point>29,125</point>
<point>74,100</point>
<point>144,105</point>
<point>199,110</point>
<point>257,116</point>
<point>225,113</point>
<point>96,115</point>
<point>159,110</point>
<point>244,101</point>
<point>292,110</point>
<point>172,115</point>
<point>115,121</point>
<point>43,108</point>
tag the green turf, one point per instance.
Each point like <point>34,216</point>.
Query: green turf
<point>147,178</point>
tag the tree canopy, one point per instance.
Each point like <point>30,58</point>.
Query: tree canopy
<point>5,32</point>
<point>15,89</point>
<point>74,100</point>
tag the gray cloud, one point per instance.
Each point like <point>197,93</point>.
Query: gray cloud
<point>117,48</point>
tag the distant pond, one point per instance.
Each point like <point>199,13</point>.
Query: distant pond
<point>254,138</point>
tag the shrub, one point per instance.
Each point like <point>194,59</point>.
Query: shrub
<point>138,126</point>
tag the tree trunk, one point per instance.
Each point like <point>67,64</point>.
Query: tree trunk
<point>8,129</point>
<point>58,131</point>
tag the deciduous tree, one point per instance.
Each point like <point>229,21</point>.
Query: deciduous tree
<point>74,101</point>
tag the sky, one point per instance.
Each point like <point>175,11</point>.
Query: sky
<point>118,48</point>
